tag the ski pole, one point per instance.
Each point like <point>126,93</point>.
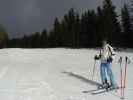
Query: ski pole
<point>94,67</point>
<point>125,74</point>
<point>126,59</point>
<point>120,61</point>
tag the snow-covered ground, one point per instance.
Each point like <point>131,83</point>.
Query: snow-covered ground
<point>55,74</point>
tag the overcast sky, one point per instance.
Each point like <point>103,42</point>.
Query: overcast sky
<point>27,16</point>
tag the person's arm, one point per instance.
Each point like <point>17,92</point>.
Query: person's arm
<point>112,54</point>
<point>112,51</point>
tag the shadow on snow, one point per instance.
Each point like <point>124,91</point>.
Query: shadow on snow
<point>91,82</point>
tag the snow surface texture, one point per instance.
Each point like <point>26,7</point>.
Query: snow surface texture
<point>55,74</point>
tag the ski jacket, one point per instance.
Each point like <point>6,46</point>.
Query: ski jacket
<point>106,54</point>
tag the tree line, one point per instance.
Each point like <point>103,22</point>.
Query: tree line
<point>84,30</point>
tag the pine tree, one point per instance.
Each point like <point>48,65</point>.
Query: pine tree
<point>84,31</point>
<point>88,33</point>
<point>77,31</point>
<point>127,27</point>
<point>111,26</point>
<point>35,40</point>
<point>69,26</point>
<point>44,39</point>
<point>100,28</point>
<point>3,37</point>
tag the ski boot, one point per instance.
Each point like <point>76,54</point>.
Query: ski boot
<point>114,87</point>
<point>105,85</point>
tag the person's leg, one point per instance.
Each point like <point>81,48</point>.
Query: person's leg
<point>111,75</point>
<point>103,73</point>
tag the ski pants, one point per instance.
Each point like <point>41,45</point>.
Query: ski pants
<point>106,71</point>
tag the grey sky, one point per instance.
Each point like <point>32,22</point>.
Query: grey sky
<point>27,16</point>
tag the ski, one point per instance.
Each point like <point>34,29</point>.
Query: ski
<point>90,91</point>
<point>105,90</point>
<point>102,91</point>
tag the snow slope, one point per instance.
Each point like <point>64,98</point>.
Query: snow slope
<point>55,74</point>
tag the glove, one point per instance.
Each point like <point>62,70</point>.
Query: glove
<point>96,57</point>
<point>110,59</point>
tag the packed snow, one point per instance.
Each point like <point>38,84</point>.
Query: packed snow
<point>56,74</point>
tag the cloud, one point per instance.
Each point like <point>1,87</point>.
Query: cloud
<point>30,10</point>
<point>26,16</point>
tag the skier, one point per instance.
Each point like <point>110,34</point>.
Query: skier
<point>106,57</point>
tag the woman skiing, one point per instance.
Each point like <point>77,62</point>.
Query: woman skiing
<point>106,57</point>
